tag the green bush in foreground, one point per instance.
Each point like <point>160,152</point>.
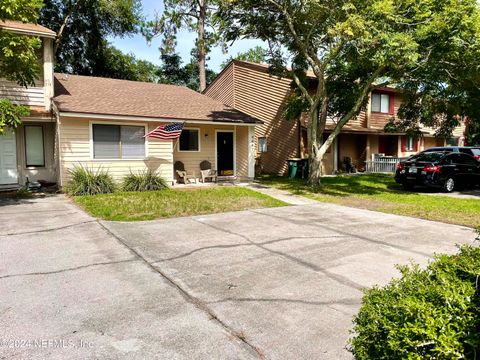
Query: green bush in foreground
<point>431,313</point>
<point>147,180</point>
<point>85,181</point>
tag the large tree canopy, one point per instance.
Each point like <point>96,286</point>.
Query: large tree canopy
<point>192,15</point>
<point>82,28</point>
<point>256,54</point>
<point>351,46</point>
<point>18,57</point>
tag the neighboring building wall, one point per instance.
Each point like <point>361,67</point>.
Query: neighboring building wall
<point>223,88</point>
<point>261,95</point>
<point>75,149</point>
<point>34,173</point>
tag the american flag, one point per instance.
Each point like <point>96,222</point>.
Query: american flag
<point>166,132</point>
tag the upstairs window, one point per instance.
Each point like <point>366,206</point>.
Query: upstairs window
<point>118,142</point>
<point>381,103</point>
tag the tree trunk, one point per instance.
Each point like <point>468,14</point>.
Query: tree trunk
<point>315,155</point>
<point>201,45</point>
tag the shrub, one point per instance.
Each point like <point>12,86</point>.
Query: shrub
<point>85,181</point>
<point>147,180</point>
<point>431,313</point>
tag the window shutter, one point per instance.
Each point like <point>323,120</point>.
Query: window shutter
<point>404,143</point>
<point>392,104</point>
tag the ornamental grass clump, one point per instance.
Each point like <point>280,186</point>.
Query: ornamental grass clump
<point>85,181</point>
<point>431,313</point>
<point>147,180</point>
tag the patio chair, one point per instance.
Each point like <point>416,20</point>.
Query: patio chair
<point>182,176</point>
<point>207,172</point>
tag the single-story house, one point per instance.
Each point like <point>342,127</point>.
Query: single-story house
<point>100,123</point>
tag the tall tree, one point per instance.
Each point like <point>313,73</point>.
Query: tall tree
<point>18,57</point>
<point>193,15</point>
<point>350,46</point>
<point>82,28</point>
<point>173,72</point>
<point>256,54</point>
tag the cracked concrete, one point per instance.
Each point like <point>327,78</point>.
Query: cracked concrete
<point>271,283</point>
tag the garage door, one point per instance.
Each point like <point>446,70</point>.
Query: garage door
<point>8,159</point>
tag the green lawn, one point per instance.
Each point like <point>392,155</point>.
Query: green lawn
<point>381,193</point>
<point>137,206</point>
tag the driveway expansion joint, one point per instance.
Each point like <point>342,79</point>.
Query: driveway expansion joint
<point>188,297</point>
<point>49,229</point>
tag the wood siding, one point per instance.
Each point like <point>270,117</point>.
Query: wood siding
<point>222,89</point>
<point>75,149</point>
<point>262,96</point>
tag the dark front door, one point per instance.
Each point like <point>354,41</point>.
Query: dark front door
<point>225,153</point>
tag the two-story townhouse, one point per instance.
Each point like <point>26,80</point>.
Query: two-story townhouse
<point>250,88</point>
<point>30,151</point>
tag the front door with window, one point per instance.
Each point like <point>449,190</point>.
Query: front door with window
<point>225,158</point>
<point>8,159</point>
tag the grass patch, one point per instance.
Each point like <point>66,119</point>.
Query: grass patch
<point>149,205</point>
<point>381,193</point>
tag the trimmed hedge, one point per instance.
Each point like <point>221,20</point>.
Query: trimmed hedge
<point>431,313</point>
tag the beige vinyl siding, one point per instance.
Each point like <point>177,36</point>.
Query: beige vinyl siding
<point>242,151</point>
<point>222,89</point>
<point>31,96</point>
<point>75,149</point>
<point>262,96</point>
<point>192,159</point>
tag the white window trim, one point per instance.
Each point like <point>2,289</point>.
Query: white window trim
<point>199,141</point>
<point>258,144</point>
<point>410,148</point>
<point>380,111</point>
<point>234,131</point>
<point>91,123</point>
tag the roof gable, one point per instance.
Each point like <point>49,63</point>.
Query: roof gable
<point>19,27</point>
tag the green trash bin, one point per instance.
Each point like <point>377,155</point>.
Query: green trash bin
<point>292,168</point>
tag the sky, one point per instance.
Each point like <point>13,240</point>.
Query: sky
<point>138,46</point>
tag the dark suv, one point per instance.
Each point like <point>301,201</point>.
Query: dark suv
<point>469,150</point>
<point>439,169</point>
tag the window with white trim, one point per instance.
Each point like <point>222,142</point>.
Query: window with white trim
<point>381,103</point>
<point>34,146</point>
<point>189,140</point>
<point>118,141</point>
<point>262,144</point>
<point>410,145</point>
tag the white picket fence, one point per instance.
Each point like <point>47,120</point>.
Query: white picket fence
<point>382,164</point>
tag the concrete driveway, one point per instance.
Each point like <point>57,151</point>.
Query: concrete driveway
<point>274,283</point>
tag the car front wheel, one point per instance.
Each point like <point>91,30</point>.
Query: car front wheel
<point>449,185</point>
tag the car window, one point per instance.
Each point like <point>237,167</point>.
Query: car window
<point>466,160</point>
<point>429,156</point>
<point>476,152</point>
<point>466,151</point>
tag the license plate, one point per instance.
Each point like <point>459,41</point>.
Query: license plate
<point>412,170</point>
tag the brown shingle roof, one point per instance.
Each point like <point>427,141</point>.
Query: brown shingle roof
<point>26,28</point>
<point>95,95</point>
